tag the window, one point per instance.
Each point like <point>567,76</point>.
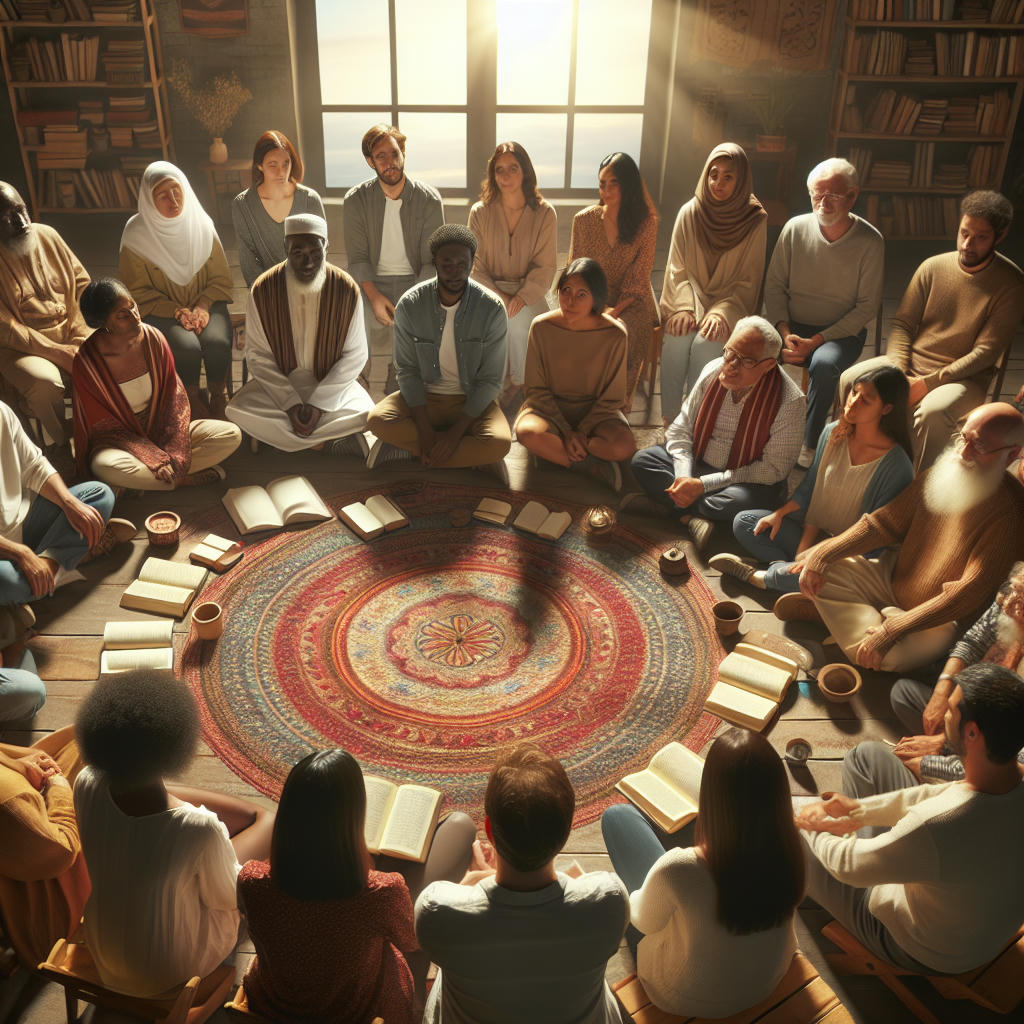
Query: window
<point>566,78</point>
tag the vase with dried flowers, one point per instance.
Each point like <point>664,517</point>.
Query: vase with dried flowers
<point>214,105</point>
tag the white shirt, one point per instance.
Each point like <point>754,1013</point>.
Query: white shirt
<point>23,470</point>
<point>448,383</point>
<point>163,905</point>
<point>393,260</point>
<point>138,392</point>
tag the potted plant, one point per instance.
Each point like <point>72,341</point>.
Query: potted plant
<point>214,106</point>
<point>771,109</point>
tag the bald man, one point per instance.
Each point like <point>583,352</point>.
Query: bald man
<point>41,281</point>
<point>951,538</point>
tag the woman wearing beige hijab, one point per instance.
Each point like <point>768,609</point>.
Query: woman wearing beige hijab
<point>714,271</point>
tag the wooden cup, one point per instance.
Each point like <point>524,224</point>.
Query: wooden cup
<point>728,616</point>
<point>162,528</point>
<point>208,620</point>
<point>838,683</point>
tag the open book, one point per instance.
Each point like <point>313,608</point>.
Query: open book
<point>668,789</point>
<point>535,518</point>
<point>216,553</point>
<point>371,518</point>
<point>164,587</point>
<point>128,645</point>
<point>751,685</point>
<point>400,820</point>
<point>286,500</point>
<point>491,510</point>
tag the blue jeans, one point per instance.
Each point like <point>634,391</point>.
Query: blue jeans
<point>778,554</point>
<point>22,692</point>
<point>826,365</point>
<point>655,473</point>
<point>46,530</point>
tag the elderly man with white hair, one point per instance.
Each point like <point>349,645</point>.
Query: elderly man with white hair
<point>951,536</point>
<point>734,441</point>
<point>306,345</point>
<point>823,288</point>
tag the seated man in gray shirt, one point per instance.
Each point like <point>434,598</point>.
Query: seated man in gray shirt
<point>519,941</point>
<point>824,286</point>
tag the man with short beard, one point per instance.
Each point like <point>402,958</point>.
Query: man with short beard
<point>41,281</point>
<point>954,322</point>
<point>305,345</point>
<point>956,531</point>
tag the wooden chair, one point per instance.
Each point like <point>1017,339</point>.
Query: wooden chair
<point>802,997</point>
<point>998,986</point>
<point>72,967</point>
<point>653,359</point>
<point>238,1009</point>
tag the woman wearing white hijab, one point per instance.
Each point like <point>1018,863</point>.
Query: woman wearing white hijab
<point>173,264</point>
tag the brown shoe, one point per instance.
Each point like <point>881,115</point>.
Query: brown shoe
<point>116,531</point>
<point>210,475</point>
<point>796,608</point>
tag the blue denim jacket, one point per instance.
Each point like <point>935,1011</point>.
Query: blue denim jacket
<point>481,340</point>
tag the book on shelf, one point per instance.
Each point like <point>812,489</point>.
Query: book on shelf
<point>493,510</point>
<point>371,518</point>
<point>535,518</point>
<point>164,587</point>
<point>668,789</point>
<point>400,820</point>
<point>283,502</point>
<point>751,684</point>
<point>216,553</point>
<point>131,645</point>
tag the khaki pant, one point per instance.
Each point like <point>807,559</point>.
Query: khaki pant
<point>934,419</point>
<point>857,594</point>
<point>487,440</point>
<point>212,442</point>
<point>41,387</point>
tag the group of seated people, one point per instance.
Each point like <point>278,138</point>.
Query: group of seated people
<point>170,878</point>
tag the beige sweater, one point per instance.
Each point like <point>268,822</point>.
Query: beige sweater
<point>528,254</point>
<point>158,295</point>
<point>953,326</point>
<point>732,289</point>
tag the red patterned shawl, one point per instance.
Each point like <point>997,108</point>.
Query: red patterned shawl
<point>755,428</point>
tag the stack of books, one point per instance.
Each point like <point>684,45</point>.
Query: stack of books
<point>886,174</point>
<point>920,57</point>
<point>124,61</point>
<point>932,117</point>
<point>115,12</point>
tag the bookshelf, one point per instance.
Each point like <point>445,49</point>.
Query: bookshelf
<point>89,100</point>
<point>926,99</point>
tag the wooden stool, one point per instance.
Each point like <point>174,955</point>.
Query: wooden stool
<point>802,997</point>
<point>238,1009</point>
<point>72,967</point>
<point>998,986</point>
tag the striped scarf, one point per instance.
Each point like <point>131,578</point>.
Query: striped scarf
<point>759,412</point>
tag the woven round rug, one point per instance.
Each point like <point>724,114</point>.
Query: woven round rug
<point>427,650</point>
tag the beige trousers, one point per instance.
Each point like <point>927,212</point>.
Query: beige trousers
<point>934,419</point>
<point>212,442</point>
<point>487,440</point>
<point>857,594</point>
<point>39,383</point>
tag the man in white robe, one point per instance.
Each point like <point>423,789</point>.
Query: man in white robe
<point>305,346</point>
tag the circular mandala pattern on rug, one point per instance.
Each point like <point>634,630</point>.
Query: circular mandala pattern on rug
<point>426,650</point>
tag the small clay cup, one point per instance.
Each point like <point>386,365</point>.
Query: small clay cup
<point>728,616</point>
<point>839,683</point>
<point>162,528</point>
<point>672,562</point>
<point>208,620</point>
<point>798,750</point>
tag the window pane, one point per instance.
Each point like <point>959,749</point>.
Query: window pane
<point>431,45</point>
<point>611,66</point>
<point>343,156</point>
<point>597,135</point>
<point>355,52</point>
<point>543,137</point>
<point>436,150</point>
<point>533,51</point>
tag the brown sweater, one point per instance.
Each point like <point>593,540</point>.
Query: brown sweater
<point>953,326</point>
<point>948,566</point>
<point>158,295</point>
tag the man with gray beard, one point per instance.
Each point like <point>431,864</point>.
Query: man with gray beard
<point>41,281</point>
<point>951,536</point>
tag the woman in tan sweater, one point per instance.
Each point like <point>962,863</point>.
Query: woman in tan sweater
<point>576,379</point>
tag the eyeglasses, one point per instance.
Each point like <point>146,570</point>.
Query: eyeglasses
<point>830,198</point>
<point>729,356</point>
<point>961,440</point>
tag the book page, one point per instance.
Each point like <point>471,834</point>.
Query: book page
<point>150,657</point>
<point>411,818</point>
<point>769,657</point>
<point>296,500</point>
<point>362,520</point>
<point>380,794</point>
<point>121,635</point>
<point>740,706</point>
<point>218,550</point>
<point>387,512</point>
<point>172,574</point>
<point>555,525</point>
<point>680,767</point>
<point>666,805</point>
<point>219,544</point>
<point>531,516</point>
<point>156,597</point>
<point>755,676</point>
<point>251,509</point>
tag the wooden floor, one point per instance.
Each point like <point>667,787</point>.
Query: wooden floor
<point>71,623</point>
